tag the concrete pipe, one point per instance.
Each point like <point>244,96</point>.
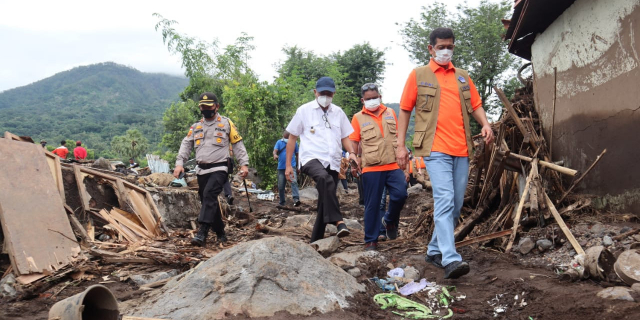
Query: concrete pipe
<point>95,303</point>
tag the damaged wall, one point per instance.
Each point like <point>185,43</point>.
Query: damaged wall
<point>594,46</point>
<point>177,206</point>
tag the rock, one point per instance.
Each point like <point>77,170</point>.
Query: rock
<point>572,253</point>
<point>355,272</point>
<point>544,245</point>
<point>526,245</point>
<point>7,288</point>
<point>636,287</point>
<point>330,229</point>
<point>624,230</point>
<point>607,241</point>
<point>616,293</point>
<point>598,229</point>
<point>102,163</point>
<point>299,221</point>
<point>142,279</point>
<point>254,279</point>
<point>157,179</point>
<point>327,246</point>
<point>415,189</point>
<point>636,237</point>
<point>310,193</point>
<point>411,273</point>
<point>348,260</point>
<point>353,224</point>
<point>583,242</point>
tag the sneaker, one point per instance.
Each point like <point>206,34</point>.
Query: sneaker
<point>456,269</point>
<point>435,260</point>
<point>230,200</point>
<point>342,230</point>
<point>392,230</point>
<point>297,203</point>
<point>222,238</point>
<point>371,246</point>
<point>382,237</point>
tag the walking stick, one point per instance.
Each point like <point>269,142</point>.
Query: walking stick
<point>247,191</point>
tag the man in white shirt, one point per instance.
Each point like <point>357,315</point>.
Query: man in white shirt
<point>324,131</point>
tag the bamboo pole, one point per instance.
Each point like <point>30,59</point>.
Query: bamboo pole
<point>525,193</point>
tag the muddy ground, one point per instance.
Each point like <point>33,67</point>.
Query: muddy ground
<point>495,277</point>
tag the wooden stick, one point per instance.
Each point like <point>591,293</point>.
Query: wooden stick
<point>553,117</point>
<point>516,220</point>
<point>626,234</point>
<point>550,165</point>
<point>575,183</point>
<point>486,237</point>
<point>512,113</point>
<point>563,226</point>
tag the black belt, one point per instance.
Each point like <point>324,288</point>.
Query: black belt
<point>206,166</point>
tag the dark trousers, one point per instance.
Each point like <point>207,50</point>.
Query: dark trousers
<point>209,187</point>
<point>328,206</point>
<point>227,188</point>
<point>374,183</point>
<point>344,184</point>
<point>360,192</point>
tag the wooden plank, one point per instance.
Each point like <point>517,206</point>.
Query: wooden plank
<point>37,232</point>
<point>75,224</point>
<point>563,226</point>
<point>512,113</point>
<point>131,216</point>
<point>486,237</point>
<point>142,210</point>
<point>56,171</point>
<point>121,193</point>
<point>115,225</point>
<point>516,220</point>
<point>130,224</point>
<point>82,190</point>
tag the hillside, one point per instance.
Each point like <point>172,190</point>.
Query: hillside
<point>90,103</point>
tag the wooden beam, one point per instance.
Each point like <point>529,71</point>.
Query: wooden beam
<point>516,220</point>
<point>486,237</point>
<point>512,113</point>
<point>563,226</point>
<point>550,165</point>
<point>76,225</point>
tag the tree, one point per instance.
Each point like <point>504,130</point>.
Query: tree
<point>479,45</point>
<point>362,64</point>
<point>131,145</point>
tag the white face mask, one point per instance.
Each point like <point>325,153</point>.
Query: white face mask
<point>372,104</point>
<point>443,56</point>
<point>325,101</point>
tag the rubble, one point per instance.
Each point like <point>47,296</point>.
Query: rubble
<point>617,293</point>
<point>327,246</point>
<point>256,278</point>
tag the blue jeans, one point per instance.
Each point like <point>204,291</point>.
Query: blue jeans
<point>282,183</point>
<point>373,183</point>
<point>448,176</point>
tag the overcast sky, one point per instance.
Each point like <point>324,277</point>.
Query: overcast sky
<point>42,38</point>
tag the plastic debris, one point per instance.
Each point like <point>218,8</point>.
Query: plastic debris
<point>413,287</point>
<point>384,284</point>
<point>178,183</point>
<point>397,272</point>
<point>413,310</point>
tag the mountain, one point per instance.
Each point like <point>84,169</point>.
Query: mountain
<point>91,103</point>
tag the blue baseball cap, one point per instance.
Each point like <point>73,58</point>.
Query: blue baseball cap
<point>325,84</point>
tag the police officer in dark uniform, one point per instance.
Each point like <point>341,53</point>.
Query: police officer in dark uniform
<point>211,137</point>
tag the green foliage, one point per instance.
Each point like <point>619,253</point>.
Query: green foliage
<point>131,145</point>
<point>479,45</point>
<point>92,104</point>
<point>177,120</point>
<point>362,64</point>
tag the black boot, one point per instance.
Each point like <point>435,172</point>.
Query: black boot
<point>201,238</point>
<point>222,237</point>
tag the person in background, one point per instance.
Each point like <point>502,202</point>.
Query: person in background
<point>62,150</point>
<point>43,143</point>
<point>79,152</point>
<point>280,155</point>
<point>132,163</point>
<point>344,166</point>
<point>324,131</point>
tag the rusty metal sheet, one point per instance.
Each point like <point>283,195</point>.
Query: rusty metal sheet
<point>37,231</point>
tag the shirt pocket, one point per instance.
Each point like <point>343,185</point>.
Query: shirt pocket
<point>466,94</point>
<point>367,133</point>
<point>391,125</point>
<point>426,98</point>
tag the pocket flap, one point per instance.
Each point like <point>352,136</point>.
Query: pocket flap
<point>430,91</point>
<point>368,132</point>
<point>418,136</point>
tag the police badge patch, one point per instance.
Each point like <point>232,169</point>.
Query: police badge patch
<point>461,79</point>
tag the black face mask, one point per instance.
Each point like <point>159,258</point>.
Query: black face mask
<point>208,113</point>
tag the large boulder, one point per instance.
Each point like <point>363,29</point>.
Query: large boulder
<point>256,279</point>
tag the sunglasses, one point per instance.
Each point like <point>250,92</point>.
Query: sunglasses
<point>369,86</point>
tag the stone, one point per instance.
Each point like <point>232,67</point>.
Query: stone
<point>177,206</point>
<point>310,193</point>
<point>411,273</point>
<point>414,190</point>
<point>102,163</point>
<point>157,179</point>
<point>526,245</point>
<point>299,220</point>
<point>353,224</point>
<point>607,241</point>
<point>355,272</point>
<point>544,245</point>
<point>7,288</point>
<point>142,279</point>
<point>348,260</point>
<point>572,253</point>
<point>624,230</point>
<point>616,293</point>
<point>636,237</point>
<point>636,287</point>
<point>598,229</point>
<point>254,279</point>
<point>327,246</point>
<point>583,242</point>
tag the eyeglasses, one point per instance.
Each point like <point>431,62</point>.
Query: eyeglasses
<point>326,121</point>
<point>369,86</point>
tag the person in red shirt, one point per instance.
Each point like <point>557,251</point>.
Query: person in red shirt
<point>62,150</point>
<point>79,152</point>
<point>444,98</point>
